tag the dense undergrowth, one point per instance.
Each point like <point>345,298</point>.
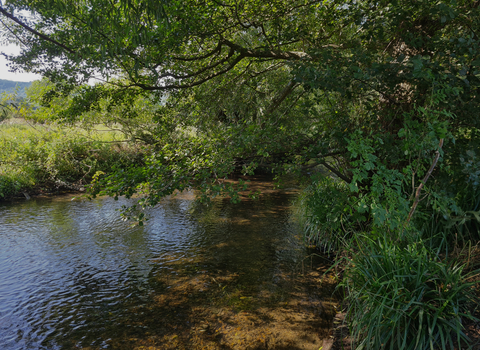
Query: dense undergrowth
<point>412,287</point>
<point>41,158</point>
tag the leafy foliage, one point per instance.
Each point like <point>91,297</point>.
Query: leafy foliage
<point>330,218</point>
<point>383,95</point>
<point>351,85</point>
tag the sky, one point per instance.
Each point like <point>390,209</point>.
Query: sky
<point>5,74</point>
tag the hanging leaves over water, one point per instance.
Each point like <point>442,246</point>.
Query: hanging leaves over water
<point>365,89</point>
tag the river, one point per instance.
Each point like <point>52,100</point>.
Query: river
<point>195,276</point>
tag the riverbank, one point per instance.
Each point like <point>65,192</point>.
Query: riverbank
<point>42,192</point>
<point>40,159</point>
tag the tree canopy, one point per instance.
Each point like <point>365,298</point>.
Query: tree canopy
<point>384,94</point>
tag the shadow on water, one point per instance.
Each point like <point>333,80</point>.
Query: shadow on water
<point>217,276</point>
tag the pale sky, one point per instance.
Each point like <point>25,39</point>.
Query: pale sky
<point>5,74</point>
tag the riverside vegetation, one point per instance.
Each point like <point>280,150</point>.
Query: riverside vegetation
<point>41,156</point>
<point>383,97</point>
<point>44,158</point>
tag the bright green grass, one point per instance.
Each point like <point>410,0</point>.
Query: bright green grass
<point>34,155</point>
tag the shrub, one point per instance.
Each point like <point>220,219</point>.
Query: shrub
<point>454,228</point>
<point>327,214</point>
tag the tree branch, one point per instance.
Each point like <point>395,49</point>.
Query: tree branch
<point>196,58</point>
<point>283,95</point>
<point>287,55</point>
<point>200,71</point>
<point>336,172</point>
<point>192,84</point>
<point>33,31</point>
<point>427,175</point>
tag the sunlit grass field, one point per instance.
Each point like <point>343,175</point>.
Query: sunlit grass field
<point>35,157</point>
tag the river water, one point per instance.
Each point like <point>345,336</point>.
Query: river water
<point>75,276</point>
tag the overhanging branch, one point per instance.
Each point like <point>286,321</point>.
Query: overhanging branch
<point>255,53</point>
<point>34,32</point>
<point>336,172</point>
<point>192,84</point>
<point>281,97</point>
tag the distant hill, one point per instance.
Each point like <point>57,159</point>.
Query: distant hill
<point>9,86</point>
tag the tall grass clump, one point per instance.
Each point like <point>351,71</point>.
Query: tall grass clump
<point>410,287</point>
<point>407,297</point>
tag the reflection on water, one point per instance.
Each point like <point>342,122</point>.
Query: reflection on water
<point>72,275</point>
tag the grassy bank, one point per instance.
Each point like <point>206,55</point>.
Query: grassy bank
<point>413,287</point>
<point>37,158</point>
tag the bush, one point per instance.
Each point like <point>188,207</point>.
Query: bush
<point>327,214</point>
<point>406,297</point>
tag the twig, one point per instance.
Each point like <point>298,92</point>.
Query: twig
<point>419,189</point>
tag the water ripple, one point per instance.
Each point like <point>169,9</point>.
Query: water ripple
<point>72,273</point>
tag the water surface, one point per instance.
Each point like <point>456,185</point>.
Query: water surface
<point>74,275</point>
